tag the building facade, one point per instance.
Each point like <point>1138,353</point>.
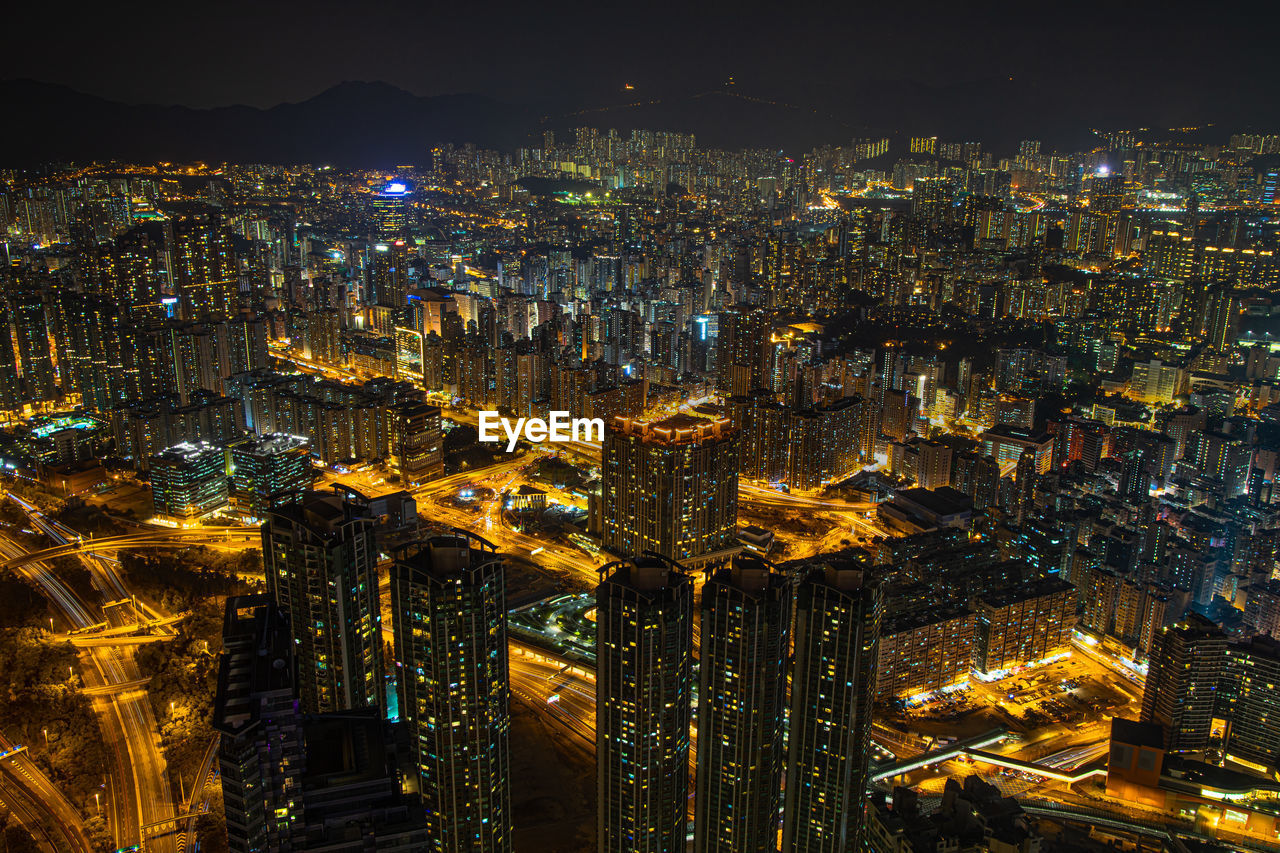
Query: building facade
<point>644,694</point>
<point>320,555</point>
<point>837,628</point>
<point>450,628</point>
<point>671,487</point>
<point>745,635</point>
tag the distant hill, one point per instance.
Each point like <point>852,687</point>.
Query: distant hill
<point>376,124</point>
<point>370,124</point>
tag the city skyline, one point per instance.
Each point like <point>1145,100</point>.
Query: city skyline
<point>929,499</point>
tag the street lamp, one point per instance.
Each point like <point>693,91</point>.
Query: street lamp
<point>46,737</point>
<point>97,801</point>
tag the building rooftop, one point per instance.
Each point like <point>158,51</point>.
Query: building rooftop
<point>1025,591</point>
<point>187,451</point>
<point>674,429</point>
<point>345,748</point>
<point>1017,434</point>
<point>941,501</point>
<point>1135,733</point>
<point>649,576</point>
<point>919,618</point>
<point>270,444</point>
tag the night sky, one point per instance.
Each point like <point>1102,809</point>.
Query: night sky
<point>265,53</point>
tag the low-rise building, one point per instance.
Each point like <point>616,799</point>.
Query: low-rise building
<point>189,482</point>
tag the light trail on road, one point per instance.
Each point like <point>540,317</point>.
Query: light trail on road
<point>141,768</point>
<point>38,804</point>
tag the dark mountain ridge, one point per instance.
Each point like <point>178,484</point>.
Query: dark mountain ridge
<point>378,125</point>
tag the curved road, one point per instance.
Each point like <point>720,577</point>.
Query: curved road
<point>142,794</point>
<point>38,804</point>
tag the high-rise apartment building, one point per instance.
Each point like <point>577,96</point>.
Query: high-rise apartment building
<point>31,331</point>
<point>837,629</point>
<point>1182,682</point>
<point>202,267</point>
<point>924,650</point>
<point>926,463</point>
<point>320,555</point>
<point>742,350</point>
<point>88,335</point>
<point>803,448</point>
<point>388,284</point>
<point>259,726</point>
<point>745,634</point>
<point>1250,703</point>
<point>644,693</point>
<point>1106,193</point>
<point>416,442</point>
<point>449,622</point>
<point>924,144</point>
<point>1023,623</point>
<point>130,271</point>
<point>671,487</point>
<point>294,782</point>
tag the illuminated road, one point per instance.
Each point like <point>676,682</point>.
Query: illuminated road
<point>160,538</point>
<point>565,692</point>
<point>489,519</point>
<point>764,496</point>
<point>141,793</point>
<point>1133,681</point>
<point>38,804</point>
<point>124,802</point>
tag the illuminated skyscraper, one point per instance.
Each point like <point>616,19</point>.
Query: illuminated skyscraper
<point>1271,187</point>
<point>202,266</point>
<point>188,481</point>
<point>301,782</point>
<point>11,397</point>
<point>924,144</point>
<point>391,210</point>
<point>90,356</point>
<point>259,726</point>
<point>1182,682</point>
<point>742,350</point>
<point>837,629</point>
<point>1022,623</point>
<point>1106,193</point>
<point>1223,317</point>
<point>1250,702</point>
<point>671,487</point>
<point>644,691</point>
<point>931,199</point>
<point>130,271</point>
<point>321,561</point>
<point>26,296</point>
<point>450,626</point>
<point>416,443</point>
<point>745,630</point>
<point>388,284</point>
